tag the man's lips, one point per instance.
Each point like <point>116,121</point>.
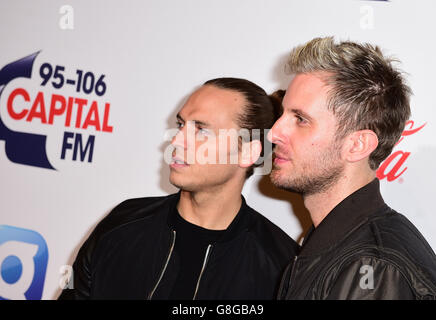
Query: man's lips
<point>178,163</point>
<point>280,158</point>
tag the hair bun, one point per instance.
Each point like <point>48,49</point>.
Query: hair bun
<point>277,101</point>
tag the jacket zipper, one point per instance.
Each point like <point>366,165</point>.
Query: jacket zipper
<point>292,273</point>
<point>206,258</point>
<point>165,266</point>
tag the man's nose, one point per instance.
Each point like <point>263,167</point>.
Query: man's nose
<point>179,139</point>
<point>275,134</point>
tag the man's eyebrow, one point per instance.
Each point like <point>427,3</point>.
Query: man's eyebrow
<point>179,117</point>
<point>302,114</point>
<point>197,122</point>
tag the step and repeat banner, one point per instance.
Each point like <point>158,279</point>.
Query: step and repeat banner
<point>88,90</point>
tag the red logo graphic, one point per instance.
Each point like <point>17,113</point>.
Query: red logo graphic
<point>397,158</point>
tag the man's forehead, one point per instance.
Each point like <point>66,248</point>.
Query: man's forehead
<point>307,93</point>
<point>211,104</point>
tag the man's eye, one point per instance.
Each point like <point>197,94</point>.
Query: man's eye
<point>300,120</point>
<point>202,131</point>
<point>179,125</point>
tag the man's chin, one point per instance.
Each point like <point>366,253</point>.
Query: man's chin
<point>276,177</point>
<point>176,183</point>
<point>182,186</point>
<point>282,183</point>
<point>277,180</point>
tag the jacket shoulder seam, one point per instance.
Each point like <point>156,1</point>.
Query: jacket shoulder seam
<point>101,235</point>
<point>382,255</point>
<point>125,223</point>
<point>384,259</point>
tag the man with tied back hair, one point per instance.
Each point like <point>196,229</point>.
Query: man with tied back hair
<point>203,242</point>
<point>344,111</point>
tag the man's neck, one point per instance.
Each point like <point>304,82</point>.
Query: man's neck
<point>210,210</point>
<point>321,204</point>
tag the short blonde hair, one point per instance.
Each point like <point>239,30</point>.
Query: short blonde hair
<point>367,91</point>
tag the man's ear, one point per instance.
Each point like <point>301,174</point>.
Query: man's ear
<point>250,153</point>
<point>359,145</point>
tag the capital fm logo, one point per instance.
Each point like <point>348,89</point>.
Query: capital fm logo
<point>23,263</point>
<point>52,112</point>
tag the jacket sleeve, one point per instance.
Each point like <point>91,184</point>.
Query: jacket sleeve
<point>369,279</point>
<point>80,288</point>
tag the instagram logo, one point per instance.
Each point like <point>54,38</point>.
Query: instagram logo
<point>23,262</point>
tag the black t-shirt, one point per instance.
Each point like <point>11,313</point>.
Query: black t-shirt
<point>191,245</point>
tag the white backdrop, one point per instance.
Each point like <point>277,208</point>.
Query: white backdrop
<point>153,54</point>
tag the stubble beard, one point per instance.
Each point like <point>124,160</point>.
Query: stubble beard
<point>315,176</point>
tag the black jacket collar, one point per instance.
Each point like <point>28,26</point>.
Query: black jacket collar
<point>347,215</point>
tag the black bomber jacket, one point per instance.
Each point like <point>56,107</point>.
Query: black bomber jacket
<point>131,249</point>
<point>362,250</point>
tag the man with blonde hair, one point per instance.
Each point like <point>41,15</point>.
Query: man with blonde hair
<point>344,111</point>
